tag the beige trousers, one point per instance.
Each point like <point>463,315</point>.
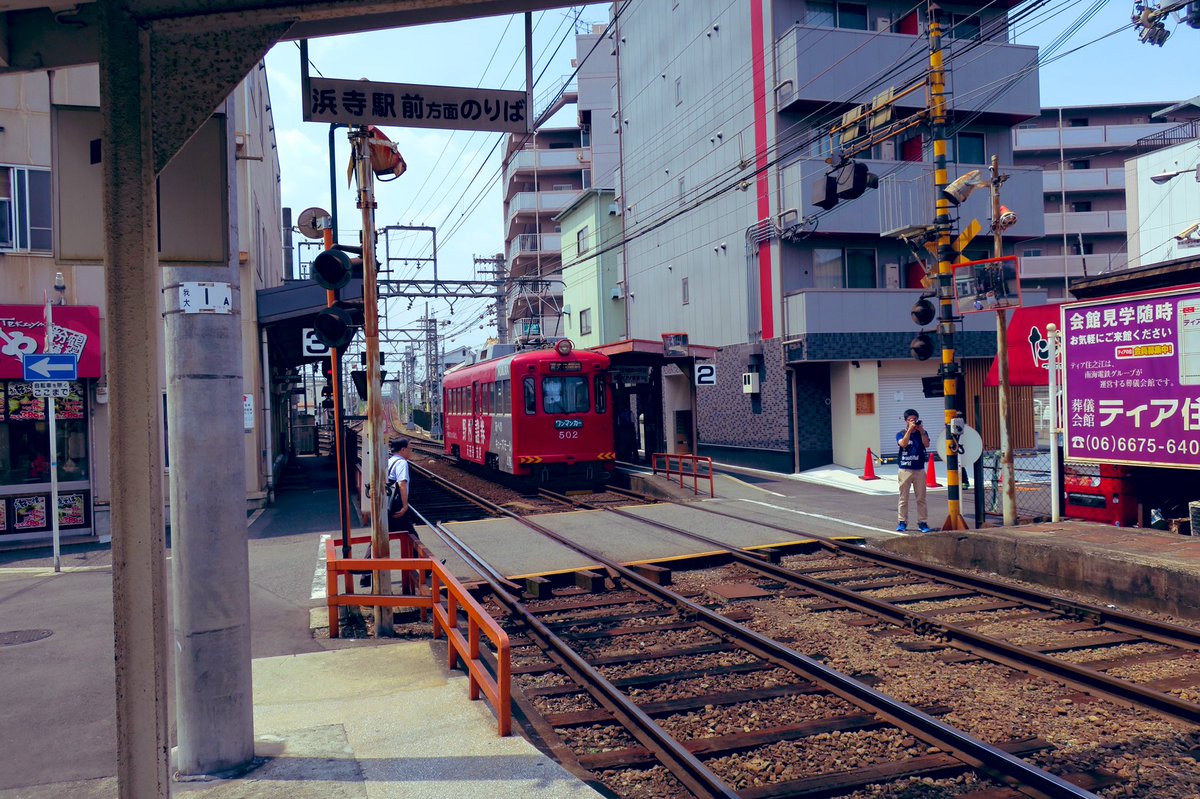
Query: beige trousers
<point>916,479</point>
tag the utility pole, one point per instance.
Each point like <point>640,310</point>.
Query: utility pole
<point>945,255</point>
<point>497,273</point>
<point>1006,454</point>
<point>381,582</point>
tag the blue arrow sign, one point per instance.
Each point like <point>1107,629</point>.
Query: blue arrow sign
<point>51,366</point>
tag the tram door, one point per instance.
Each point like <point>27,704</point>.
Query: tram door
<point>473,436</point>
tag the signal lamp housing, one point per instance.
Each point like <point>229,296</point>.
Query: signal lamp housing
<point>334,327</point>
<point>922,312</point>
<point>922,347</point>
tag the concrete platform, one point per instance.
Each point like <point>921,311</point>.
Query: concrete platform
<point>1128,566</point>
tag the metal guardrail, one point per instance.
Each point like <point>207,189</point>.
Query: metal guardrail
<point>448,601</point>
<point>695,461</point>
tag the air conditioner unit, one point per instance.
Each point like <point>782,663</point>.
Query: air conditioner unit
<point>618,293</point>
<point>613,209</point>
<point>750,383</point>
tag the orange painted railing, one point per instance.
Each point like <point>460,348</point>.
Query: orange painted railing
<point>446,598</point>
<point>694,461</point>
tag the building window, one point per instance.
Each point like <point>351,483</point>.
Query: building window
<point>860,269</point>
<point>1031,253</point>
<point>971,148</point>
<point>682,189</point>
<point>1078,122</point>
<point>912,149</point>
<point>1087,249</point>
<point>587,178</point>
<point>585,321</point>
<point>964,27</point>
<point>1081,207</point>
<point>25,210</point>
<point>679,91</point>
<point>1081,163</point>
<point>852,16</point>
<point>686,295</point>
<point>827,269</point>
<point>563,187</point>
<point>26,457</point>
<point>581,240</point>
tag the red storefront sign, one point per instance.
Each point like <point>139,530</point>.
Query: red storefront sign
<point>23,332</point>
<point>1028,350</point>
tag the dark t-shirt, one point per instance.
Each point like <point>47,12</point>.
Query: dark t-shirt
<point>913,456</point>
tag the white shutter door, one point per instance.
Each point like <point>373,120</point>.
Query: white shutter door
<point>900,389</point>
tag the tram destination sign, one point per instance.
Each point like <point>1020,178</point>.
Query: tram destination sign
<point>408,105</point>
<point>1132,379</point>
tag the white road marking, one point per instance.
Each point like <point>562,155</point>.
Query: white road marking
<point>49,570</point>
<point>318,583</point>
<point>254,516</point>
<point>823,516</point>
<point>751,485</point>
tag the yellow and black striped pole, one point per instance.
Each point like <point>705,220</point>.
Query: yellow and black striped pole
<point>945,256</point>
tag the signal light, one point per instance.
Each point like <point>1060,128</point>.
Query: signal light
<point>332,269</point>
<point>854,180</point>
<point>334,327</point>
<point>824,193</point>
<point>922,312</point>
<point>564,347</point>
<point>922,347</point>
<point>359,376</point>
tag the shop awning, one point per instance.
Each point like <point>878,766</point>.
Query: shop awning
<point>1027,349</point>
<point>648,352</point>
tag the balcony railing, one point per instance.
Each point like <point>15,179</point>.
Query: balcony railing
<point>1086,222</point>
<point>557,160</point>
<point>1091,136</point>
<point>546,202</point>
<point>533,243</point>
<point>1110,179</point>
<point>1049,267</point>
<point>859,311</point>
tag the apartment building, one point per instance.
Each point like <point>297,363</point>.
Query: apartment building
<point>1081,151</point>
<point>543,172</point>
<point>724,115</point>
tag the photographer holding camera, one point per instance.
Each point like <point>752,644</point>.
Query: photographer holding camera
<point>914,447</point>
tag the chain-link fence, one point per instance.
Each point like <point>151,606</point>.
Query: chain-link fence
<point>1031,469</point>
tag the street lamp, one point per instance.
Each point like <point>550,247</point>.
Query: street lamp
<point>1167,177</point>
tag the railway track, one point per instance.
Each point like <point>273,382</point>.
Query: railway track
<point>654,693</point>
<point>1090,647</point>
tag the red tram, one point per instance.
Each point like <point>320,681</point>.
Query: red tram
<point>542,414</point>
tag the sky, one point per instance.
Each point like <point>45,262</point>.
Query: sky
<point>452,183</point>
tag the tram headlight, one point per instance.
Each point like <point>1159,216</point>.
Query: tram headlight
<point>564,347</point>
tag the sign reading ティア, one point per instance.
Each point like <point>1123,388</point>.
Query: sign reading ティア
<point>1132,379</point>
<point>358,102</point>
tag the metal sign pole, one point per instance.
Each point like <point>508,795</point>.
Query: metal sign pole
<point>1055,503</point>
<point>53,445</point>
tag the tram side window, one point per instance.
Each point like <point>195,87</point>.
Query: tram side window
<point>601,395</point>
<point>505,396</point>
<point>564,394</point>
<point>530,398</point>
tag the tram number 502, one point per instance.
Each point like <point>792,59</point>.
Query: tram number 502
<point>568,434</point>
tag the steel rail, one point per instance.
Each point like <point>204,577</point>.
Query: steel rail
<point>1168,634</point>
<point>1006,767</point>
<point>995,649</point>
<point>971,750</point>
<point>474,499</point>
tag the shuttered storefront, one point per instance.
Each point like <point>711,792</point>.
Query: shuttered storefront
<point>900,389</point>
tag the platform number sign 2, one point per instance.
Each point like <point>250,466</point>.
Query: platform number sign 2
<point>313,346</point>
<point>706,374</point>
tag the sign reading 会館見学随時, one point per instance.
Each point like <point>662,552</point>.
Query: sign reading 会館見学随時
<point>1132,379</point>
<point>358,102</point>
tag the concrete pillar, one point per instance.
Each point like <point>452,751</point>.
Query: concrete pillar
<point>133,323</point>
<point>210,573</point>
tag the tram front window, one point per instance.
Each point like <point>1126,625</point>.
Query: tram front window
<point>564,395</point>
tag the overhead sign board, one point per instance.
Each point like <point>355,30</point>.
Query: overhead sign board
<point>51,366</point>
<point>193,192</point>
<point>1132,379</point>
<point>407,105</point>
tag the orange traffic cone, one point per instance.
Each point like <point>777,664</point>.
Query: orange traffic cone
<point>869,467</point>
<point>931,475</point>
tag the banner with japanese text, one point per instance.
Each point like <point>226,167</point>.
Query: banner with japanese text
<point>360,102</point>
<point>1131,386</point>
<point>23,332</point>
